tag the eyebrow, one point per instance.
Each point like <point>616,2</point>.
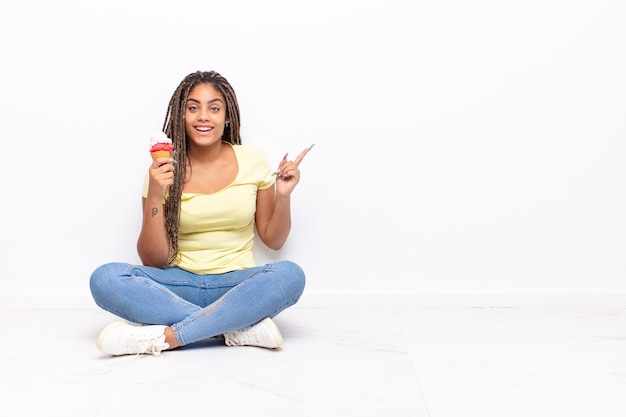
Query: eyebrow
<point>210,101</point>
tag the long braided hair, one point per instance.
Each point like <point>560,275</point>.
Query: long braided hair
<point>174,128</point>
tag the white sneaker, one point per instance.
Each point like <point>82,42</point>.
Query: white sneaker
<point>263,334</point>
<point>121,338</point>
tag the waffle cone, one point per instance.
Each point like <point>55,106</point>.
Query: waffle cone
<point>160,154</point>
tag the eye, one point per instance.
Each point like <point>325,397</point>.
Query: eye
<point>215,109</point>
<point>192,108</point>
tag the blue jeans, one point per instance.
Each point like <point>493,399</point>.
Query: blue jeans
<point>196,307</point>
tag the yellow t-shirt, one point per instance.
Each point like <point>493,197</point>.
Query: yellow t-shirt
<point>216,231</point>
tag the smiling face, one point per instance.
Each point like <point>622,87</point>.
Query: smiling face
<point>205,115</point>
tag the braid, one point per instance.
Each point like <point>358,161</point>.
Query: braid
<point>174,128</point>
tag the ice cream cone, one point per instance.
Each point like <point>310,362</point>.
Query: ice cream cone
<point>160,154</point>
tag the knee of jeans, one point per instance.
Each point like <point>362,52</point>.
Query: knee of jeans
<point>100,279</point>
<point>295,275</point>
<point>96,280</point>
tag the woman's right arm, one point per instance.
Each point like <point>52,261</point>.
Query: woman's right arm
<point>153,243</point>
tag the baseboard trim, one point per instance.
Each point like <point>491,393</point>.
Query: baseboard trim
<point>463,300</point>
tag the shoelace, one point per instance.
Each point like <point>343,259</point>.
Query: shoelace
<point>155,346</point>
<point>244,336</point>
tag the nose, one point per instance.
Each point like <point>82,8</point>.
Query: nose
<point>205,114</point>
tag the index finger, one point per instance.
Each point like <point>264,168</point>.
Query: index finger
<point>300,157</point>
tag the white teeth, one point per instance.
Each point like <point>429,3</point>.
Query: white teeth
<point>203,129</point>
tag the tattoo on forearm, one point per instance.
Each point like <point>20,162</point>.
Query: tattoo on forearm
<point>154,211</point>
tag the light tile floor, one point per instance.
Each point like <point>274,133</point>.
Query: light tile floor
<point>356,361</point>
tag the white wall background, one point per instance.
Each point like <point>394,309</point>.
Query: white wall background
<point>462,147</point>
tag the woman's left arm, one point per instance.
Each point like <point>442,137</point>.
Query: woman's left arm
<point>273,205</point>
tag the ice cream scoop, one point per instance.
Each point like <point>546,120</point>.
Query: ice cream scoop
<point>160,145</point>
